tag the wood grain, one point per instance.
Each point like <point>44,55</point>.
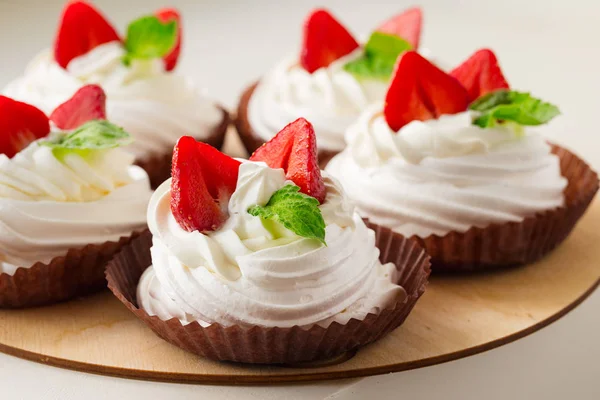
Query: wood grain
<point>457,316</point>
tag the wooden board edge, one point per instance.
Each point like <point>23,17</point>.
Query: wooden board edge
<point>289,378</point>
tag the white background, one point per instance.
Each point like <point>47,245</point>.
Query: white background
<point>549,47</point>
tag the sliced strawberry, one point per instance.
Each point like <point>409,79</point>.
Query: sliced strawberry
<point>325,40</point>
<point>420,91</point>
<point>20,124</point>
<point>480,74</point>
<point>220,170</point>
<point>166,15</point>
<point>294,149</point>
<point>203,180</point>
<point>87,104</point>
<point>82,28</point>
<point>406,25</point>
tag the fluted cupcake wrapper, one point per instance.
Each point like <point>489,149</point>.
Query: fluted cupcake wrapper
<point>515,243</point>
<point>260,345</point>
<point>252,140</point>
<point>158,166</point>
<point>79,272</point>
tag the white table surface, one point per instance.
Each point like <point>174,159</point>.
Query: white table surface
<point>550,47</point>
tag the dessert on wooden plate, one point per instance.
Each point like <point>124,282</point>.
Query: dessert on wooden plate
<point>449,159</point>
<point>264,261</point>
<point>70,197</point>
<point>331,81</point>
<point>144,94</point>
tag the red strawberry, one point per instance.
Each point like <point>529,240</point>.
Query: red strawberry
<point>87,104</point>
<point>166,15</point>
<point>480,74</point>
<point>325,40</point>
<point>420,91</point>
<point>406,25</point>
<point>82,28</point>
<point>20,124</point>
<point>221,171</point>
<point>203,180</point>
<point>294,149</point>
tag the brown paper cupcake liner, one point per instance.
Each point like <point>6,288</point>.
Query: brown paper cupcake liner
<point>158,166</point>
<point>260,345</point>
<point>79,272</point>
<point>252,140</point>
<point>516,243</point>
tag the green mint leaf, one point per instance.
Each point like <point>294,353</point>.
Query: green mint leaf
<point>296,211</point>
<point>148,37</point>
<point>491,100</point>
<point>370,68</point>
<point>506,106</point>
<point>381,52</point>
<point>93,135</point>
<point>485,121</point>
<point>386,45</point>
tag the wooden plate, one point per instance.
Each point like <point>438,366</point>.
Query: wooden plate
<point>458,316</point>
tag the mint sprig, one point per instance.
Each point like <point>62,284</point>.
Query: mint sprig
<point>296,211</point>
<point>507,106</point>
<point>148,37</point>
<point>380,55</point>
<point>93,135</point>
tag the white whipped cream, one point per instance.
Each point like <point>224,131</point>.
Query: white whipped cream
<point>438,176</point>
<point>155,106</point>
<point>251,272</point>
<point>330,98</point>
<point>48,206</point>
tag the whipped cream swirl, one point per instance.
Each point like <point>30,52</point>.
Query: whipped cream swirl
<point>49,205</point>
<point>254,272</point>
<point>330,98</point>
<point>444,175</point>
<point>155,106</point>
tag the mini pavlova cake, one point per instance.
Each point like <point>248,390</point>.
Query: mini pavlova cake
<point>449,159</point>
<point>70,197</point>
<point>137,71</point>
<point>331,81</point>
<point>257,261</point>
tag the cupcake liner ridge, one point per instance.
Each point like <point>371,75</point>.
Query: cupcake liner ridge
<point>516,243</point>
<point>274,345</point>
<point>79,272</point>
